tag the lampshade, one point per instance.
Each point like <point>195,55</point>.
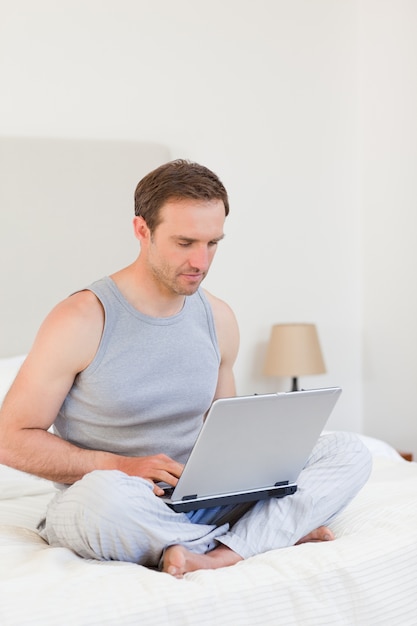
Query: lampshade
<point>294,350</point>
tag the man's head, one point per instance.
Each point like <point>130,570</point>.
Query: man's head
<point>176,180</point>
<point>180,209</point>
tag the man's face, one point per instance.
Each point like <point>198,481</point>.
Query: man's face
<point>181,248</point>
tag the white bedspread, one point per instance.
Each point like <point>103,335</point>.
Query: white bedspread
<point>367,576</point>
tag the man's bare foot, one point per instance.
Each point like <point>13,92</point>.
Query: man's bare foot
<point>322,533</point>
<point>178,560</point>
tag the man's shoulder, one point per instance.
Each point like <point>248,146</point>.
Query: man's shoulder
<point>216,303</point>
<point>82,304</point>
<point>80,315</point>
<point>224,319</point>
<point>227,331</point>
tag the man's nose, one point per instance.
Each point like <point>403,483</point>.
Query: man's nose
<point>200,258</point>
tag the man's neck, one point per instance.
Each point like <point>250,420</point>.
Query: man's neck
<point>145,296</point>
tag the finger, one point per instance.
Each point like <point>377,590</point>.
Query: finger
<point>176,469</point>
<point>169,473</point>
<point>158,491</point>
<point>169,465</point>
<point>169,479</point>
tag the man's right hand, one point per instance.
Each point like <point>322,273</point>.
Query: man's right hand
<point>157,469</point>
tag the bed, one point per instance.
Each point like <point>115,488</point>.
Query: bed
<point>367,576</point>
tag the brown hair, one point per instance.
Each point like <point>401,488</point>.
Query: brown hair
<point>176,180</point>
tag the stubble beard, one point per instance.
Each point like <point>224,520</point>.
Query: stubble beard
<point>171,282</point>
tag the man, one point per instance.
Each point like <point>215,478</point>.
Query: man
<point>125,370</point>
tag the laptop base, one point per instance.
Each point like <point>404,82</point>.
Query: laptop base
<point>192,503</point>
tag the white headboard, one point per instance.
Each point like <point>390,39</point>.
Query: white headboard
<point>66,208</point>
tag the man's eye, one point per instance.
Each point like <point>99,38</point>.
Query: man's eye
<point>184,244</point>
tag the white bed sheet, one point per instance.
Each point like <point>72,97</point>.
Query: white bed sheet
<point>367,576</point>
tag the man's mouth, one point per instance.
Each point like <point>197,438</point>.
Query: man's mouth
<point>193,276</point>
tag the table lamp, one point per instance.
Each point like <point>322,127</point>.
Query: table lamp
<point>294,350</point>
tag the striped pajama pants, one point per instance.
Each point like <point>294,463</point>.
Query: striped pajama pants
<point>108,515</point>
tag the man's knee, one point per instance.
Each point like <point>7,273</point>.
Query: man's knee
<point>89,515</point>
<point>344,443</point>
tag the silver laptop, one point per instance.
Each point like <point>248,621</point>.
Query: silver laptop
<point>251,448</point>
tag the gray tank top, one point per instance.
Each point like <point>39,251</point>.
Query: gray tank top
<point>150,383</point>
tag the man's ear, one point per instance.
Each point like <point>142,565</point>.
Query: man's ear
<point>140,228</point>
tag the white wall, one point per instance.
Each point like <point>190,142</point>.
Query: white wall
<point>263,92</point>
<point>388,74</point>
